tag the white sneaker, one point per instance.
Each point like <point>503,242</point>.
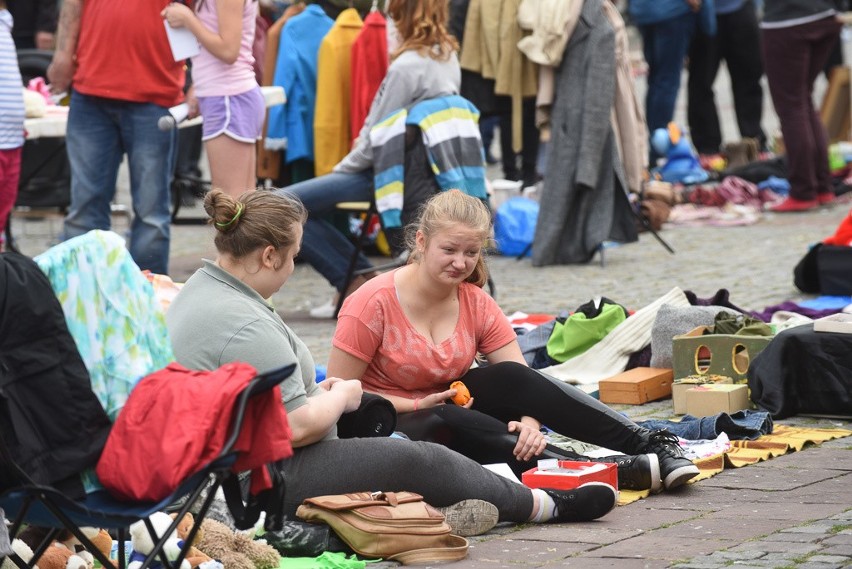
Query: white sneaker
<point>324,310</point>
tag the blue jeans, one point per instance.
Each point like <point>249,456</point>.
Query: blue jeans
<point>323,246</point>
<point>100,132</point>
<point>665,45</point>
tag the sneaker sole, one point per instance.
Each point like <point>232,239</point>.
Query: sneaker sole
<point>471,517</point>
<point>606,505</point>
<point>656,479</point>
<point>680,476</point>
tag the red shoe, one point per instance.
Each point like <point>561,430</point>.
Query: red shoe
<point>826,198</point>
<point>794,205</point>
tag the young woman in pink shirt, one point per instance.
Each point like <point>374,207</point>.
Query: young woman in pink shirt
<point>409,333</point>
<point>225,86</point>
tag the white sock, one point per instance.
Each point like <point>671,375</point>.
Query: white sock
<point>546,507</point>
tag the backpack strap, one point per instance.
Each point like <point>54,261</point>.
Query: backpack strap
<point>455,549</point>
<point>271,501</point>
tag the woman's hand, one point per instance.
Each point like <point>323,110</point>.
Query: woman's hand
<point>177,15</point>
<point>192,103</point>
<point>694,4</point>
<point>439,398</point>
<point>328,382</point>
<point>530,443</point>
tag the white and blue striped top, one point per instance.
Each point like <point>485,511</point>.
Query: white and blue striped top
<point>11,93</point>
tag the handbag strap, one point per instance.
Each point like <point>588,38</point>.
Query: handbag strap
<point>455,549</point>
<point>270,501</point>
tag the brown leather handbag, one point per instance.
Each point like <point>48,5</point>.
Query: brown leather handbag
<point>398,526</point>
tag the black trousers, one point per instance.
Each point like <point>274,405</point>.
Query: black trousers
<point>737,42</point>
<point>507,391</point>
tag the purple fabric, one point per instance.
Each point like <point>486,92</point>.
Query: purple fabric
<point>721,298</point>
<point>238,116</point>
<point>766,314</point>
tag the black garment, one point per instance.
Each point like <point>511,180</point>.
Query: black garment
<point>50,419</point>
<point>529,150</point>
<point>737,42</point>
<point>31,16</point>
<point>781,10</point>
<point>802,371</point>
<point>507,391</point>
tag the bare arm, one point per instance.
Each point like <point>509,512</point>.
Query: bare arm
<point>61,69</point>
<point>223,44</point>
<point>313,420</point>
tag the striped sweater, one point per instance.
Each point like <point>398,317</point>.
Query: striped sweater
<point>11,89</point>
<point>450,129</point>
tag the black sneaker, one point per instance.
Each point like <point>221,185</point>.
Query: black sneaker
<point>639,472</point>
<point>587,502</point>
<point>675,469</point>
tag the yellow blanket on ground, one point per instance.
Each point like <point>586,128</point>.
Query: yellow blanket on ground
<point>783,439</point>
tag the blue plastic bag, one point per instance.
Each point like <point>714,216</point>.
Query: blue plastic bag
<point>514,226</point>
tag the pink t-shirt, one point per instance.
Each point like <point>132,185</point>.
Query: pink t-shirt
<point>401,361</point>
<point>212,76</point>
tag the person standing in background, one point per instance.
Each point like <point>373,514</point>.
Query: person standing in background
<point>229,97</point>
<point>11,119</point>
<point>124,80</point>
<point>667,27</point>
<point>35,23</point>
<point>798,37</point>
<point>737,42</point>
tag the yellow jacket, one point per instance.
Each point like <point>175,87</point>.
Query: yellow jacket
<point>491,35</point>
<point>332,140</point>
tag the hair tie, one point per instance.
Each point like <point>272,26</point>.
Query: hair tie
<point>233,219</point>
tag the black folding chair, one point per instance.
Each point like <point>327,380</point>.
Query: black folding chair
<point>27,502</point>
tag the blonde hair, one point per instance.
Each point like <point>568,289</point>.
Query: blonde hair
<point>450,208</point>
<point>254,220</point>
<point>422,26</point>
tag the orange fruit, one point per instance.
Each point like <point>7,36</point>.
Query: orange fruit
<point>462,395</point>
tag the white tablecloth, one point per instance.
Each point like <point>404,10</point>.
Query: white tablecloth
<point>54,123</point>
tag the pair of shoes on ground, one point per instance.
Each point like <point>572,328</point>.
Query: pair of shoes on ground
<point>793,205</point>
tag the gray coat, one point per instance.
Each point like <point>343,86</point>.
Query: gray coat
<point>583,201</point>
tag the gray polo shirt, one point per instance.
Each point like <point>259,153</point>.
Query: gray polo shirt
<point>217,319</point>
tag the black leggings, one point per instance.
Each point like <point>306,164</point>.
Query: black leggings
<point>507,391</point>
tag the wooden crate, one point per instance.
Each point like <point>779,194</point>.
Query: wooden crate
<point>637,386</point>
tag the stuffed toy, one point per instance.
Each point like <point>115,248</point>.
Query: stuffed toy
<point>236,550</point>
<point>142,544</point>
<point>103,541</point>
<point>194,555</point>
<point>57,556</point>
<point>23,550</point>
<point>682,163</point>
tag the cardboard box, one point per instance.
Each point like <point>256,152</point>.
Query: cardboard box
<point>715,398</point>
<point>637,386</point>
<point>695,353</point>
<point>568,474</point>
<point>840,323</point>
<point>680,386</point>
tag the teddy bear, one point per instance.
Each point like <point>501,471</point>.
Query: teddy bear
<point>34,535</point>
<point>236,550</point>
<point>23,550</point>
<point>194,555</point>
<point>142,543</point>
<point>57,556</point>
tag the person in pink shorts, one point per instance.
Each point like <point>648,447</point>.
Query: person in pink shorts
<point>225,86</point>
